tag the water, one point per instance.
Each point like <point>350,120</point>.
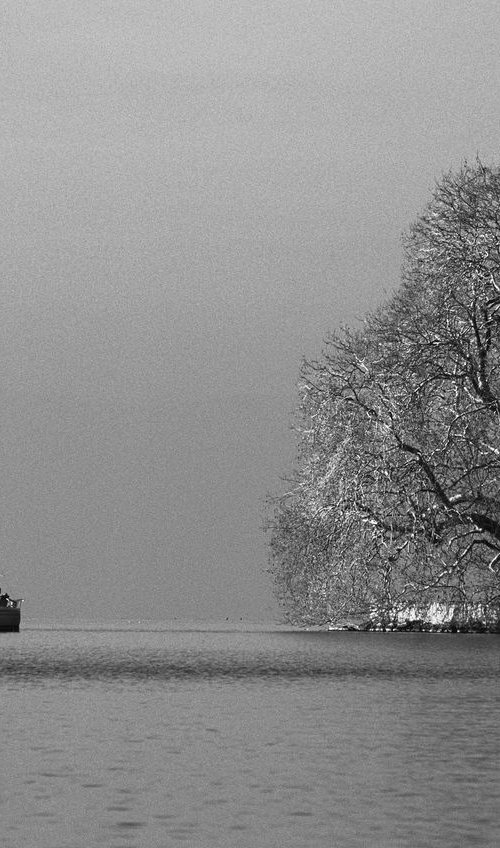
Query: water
<point>150,736</point>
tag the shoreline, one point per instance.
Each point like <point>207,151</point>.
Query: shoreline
<point>417,626</point>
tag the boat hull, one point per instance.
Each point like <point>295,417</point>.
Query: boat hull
<point>10,618</point>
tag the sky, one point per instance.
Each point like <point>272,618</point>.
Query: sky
<point>193,194</point>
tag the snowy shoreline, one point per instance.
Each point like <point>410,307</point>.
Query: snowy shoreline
<point>435,618</point>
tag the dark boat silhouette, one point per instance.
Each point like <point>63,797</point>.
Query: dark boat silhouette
<point>10,614</point>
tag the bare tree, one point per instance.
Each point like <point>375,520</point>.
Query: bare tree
<point>396,498</point>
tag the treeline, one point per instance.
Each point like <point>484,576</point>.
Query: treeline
<point>395,500</point>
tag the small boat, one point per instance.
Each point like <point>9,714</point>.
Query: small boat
<point>10,615</point>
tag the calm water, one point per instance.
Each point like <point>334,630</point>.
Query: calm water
<point>148,736</point>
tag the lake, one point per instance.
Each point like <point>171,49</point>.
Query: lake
<point>152,735</point>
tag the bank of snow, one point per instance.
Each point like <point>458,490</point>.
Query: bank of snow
<point>435,618</point>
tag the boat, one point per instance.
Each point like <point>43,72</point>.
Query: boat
<point>10,614</point>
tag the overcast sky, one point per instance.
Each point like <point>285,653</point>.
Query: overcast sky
<point>193,193</point>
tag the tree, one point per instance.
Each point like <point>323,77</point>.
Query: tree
<point>396,498</point>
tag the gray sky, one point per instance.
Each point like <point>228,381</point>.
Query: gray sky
<point>193,193</point>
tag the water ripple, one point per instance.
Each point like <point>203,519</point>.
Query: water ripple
<point>111,664</point>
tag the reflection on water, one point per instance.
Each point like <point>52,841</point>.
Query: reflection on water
<point>161,655</point>
<point>157,737</point>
